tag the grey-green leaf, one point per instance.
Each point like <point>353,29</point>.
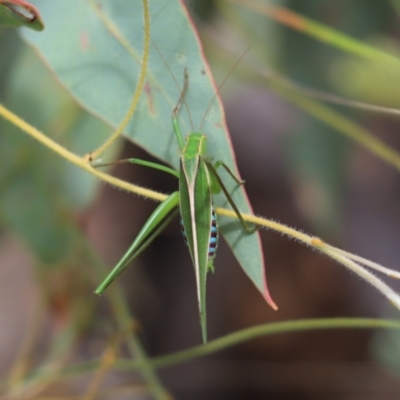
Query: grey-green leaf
<point>20,13</point>
<point>95,48</point>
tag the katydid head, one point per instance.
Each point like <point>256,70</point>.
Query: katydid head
<point>196,144</point>
<point>196,141</point>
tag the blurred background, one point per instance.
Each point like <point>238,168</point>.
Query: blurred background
<point>58,230</point>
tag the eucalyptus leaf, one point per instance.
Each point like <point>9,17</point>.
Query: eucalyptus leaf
<point>20,13</point>
<point>95,48</point>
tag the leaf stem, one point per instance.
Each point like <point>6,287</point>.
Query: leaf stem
<point>259,331</point>
<point>80,162</point>
<point>230,340</point>
<point>341,256</point>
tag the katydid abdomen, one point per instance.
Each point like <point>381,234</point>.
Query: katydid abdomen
<point>213,243</point>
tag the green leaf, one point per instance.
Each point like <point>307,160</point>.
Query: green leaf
<point>102,43</point>
<point>20,13</point>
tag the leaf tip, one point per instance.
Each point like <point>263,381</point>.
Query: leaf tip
<point>268,297</point>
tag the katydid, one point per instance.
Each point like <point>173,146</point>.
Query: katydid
<point>198,181</point>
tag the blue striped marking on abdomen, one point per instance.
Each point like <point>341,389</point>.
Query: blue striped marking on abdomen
<point>213,241</point>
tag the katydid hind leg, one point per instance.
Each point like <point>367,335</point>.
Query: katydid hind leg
<point>149,239</point>
<point>158,220</point>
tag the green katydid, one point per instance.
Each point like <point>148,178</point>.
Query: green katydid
<point>198,181</point>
